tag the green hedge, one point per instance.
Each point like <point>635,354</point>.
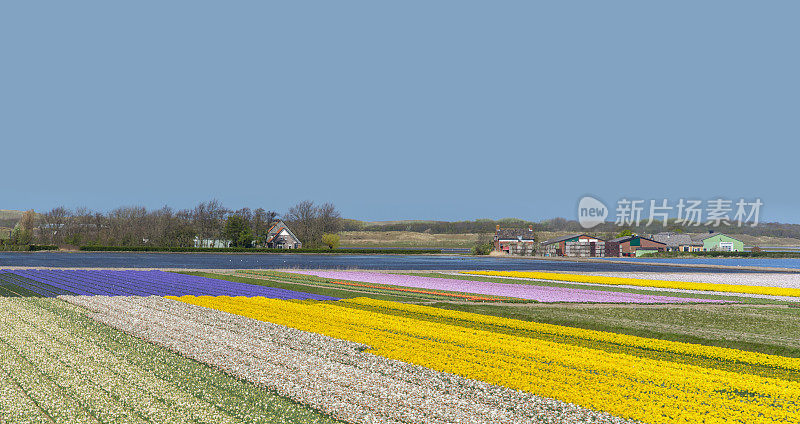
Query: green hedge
<point>26,248</point>
<point>253,250</point>
<point>37,247</point>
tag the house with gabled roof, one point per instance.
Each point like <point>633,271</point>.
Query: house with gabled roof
<point>514,241</point>
<point>574,245</point>
<point>279,236</point>
<point>718,242</point>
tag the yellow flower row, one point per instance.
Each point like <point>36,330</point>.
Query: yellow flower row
<point>683,285</point>
<point>680,348</point>
<point>645,389</point>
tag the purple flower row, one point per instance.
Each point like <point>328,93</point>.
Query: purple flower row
<point>141,283</point>
<point>520,291</point>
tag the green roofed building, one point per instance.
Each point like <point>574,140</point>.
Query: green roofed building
<point>718,242</point>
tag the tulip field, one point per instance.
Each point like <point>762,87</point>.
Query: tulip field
<point>682,285</point>
<point>520,291</point>
<point>318,346</point>
<point>133,283</point>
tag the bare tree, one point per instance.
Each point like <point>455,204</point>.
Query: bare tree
<point>309,222</point>
<point>183,231</point>
<point>100,224</point>
<point>127,225</point>
<point>209,219</point>
<point>330,220</point>
<point>303,219</point>
<point>51,228</point>
<point>258,226</point>
<point>27,221</point>
<point>216,214</point>
<point>136,226</point>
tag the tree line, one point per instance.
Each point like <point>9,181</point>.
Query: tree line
<point>209,224</point>
<point>608,229</point>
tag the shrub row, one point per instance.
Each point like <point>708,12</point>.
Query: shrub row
<point>25,248</point>
<point>37,247</point>
<point>252,250</point>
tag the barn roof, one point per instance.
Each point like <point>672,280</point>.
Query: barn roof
<point>565,238</point>
<point>621,239</point>
<point>514,234</point>
<point>673,239</point>
<point>628,238</point>
<point>702,237</point>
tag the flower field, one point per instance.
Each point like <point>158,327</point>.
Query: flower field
<point>50,283</point>
<point>96,346</point>
<point>682,285</point>
<point>628,386</point>
<point>59,366</point>
<point>520,291</point>
<point>332,375</point>
<point>376,288</point>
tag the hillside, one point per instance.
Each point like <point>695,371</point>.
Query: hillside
<point>459,234</point>
<point>409,239</point>
<point>10,214</point>
<point>8,219</point>
<point>560,225</point>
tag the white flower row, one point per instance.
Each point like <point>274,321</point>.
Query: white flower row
<point>334,376</point>
<point>54,369</point>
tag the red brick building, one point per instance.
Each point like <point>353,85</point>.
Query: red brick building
<point>628,245</point>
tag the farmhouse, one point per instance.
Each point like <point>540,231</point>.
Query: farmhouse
<point>514,241</point>
<point>629,245</point>
<point>677,242</point>
<point>574,245</point>
<point>718,242</point>
<point>280,236</point>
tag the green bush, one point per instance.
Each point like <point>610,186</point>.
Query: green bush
<point>482,248</point>
<point>37,247</point>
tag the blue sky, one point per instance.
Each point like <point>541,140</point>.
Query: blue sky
<point>409,110</point>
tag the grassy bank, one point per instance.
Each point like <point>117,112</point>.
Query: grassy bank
<point>409,239</point>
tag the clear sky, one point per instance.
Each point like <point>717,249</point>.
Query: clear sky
<point>399,110</point>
